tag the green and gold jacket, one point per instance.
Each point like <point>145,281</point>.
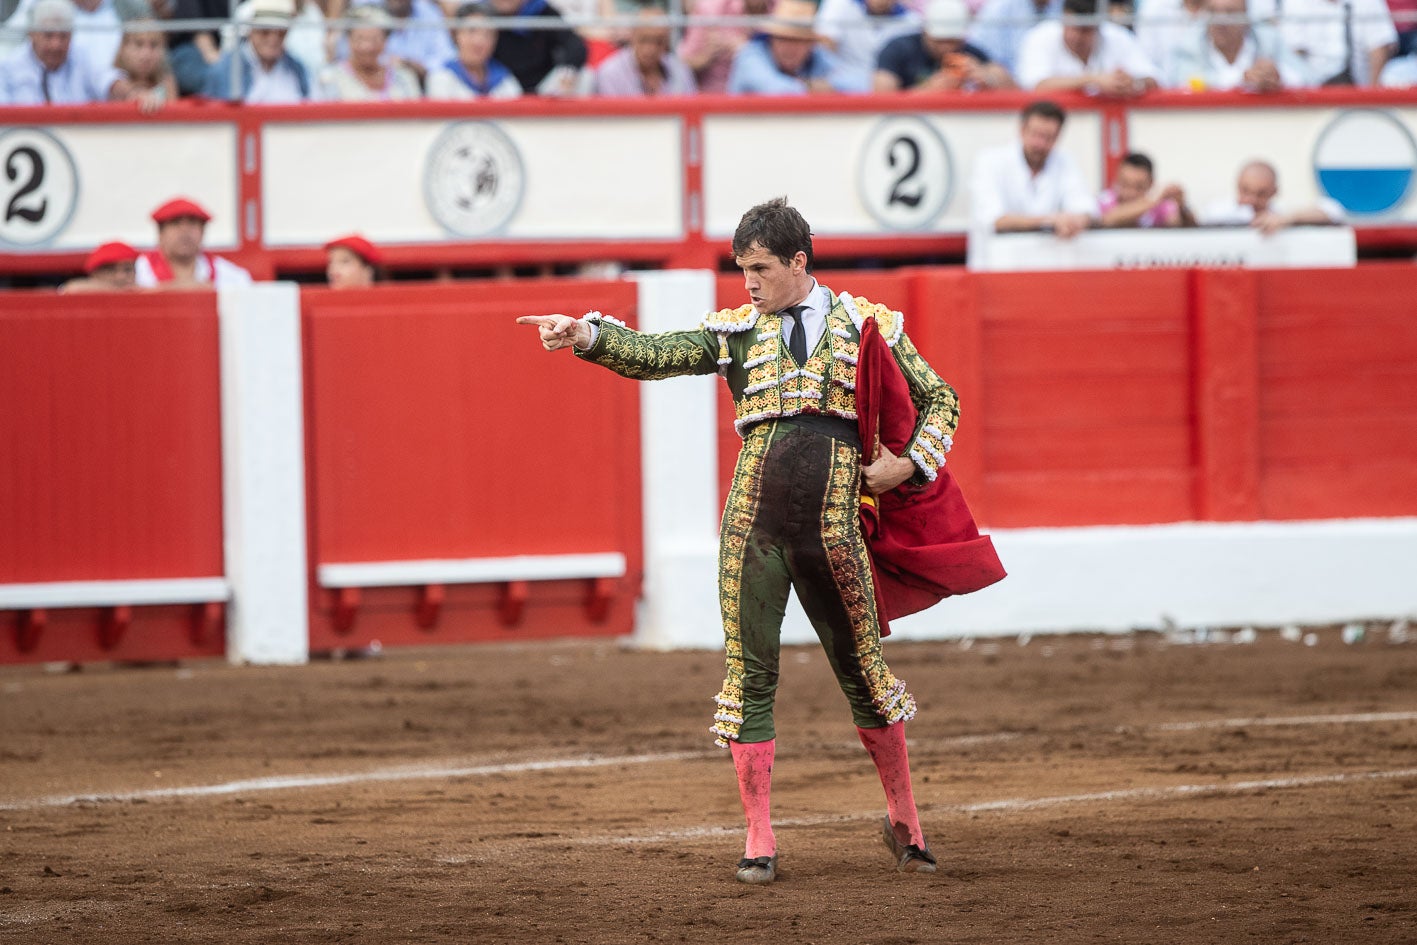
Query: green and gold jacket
<point>745,346</point>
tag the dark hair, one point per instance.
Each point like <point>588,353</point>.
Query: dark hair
<point>1138,160</point>
<point>775,227</point>
<point>476,8</point>
<point>1043,108</point>
<point>1083,7</point>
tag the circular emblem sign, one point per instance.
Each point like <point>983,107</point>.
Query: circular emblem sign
<point>474,179</point>
<point>1364,159</point>
<point>39,187</point>
<point>906,175</point>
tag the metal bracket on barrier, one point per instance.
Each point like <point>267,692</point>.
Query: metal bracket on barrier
<point>346,606</point>
<point>513,602</point>
<point>207,622</point>
<point>113,624</point>
<point>430,603</point>
<point>30,626</point>
<point>597,602</point>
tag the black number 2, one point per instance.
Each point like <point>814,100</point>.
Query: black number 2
<point>911,159</point>
<point>13,209</point>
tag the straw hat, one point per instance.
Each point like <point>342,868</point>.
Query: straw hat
<point>793,19</point>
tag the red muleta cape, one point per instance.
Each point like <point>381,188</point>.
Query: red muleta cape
<point>923,541</point>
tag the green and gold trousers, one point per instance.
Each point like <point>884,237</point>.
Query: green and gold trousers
<point>791,521</point>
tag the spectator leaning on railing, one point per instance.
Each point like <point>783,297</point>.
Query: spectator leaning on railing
<point>421,46</point>
<point>709,50</point>
<point>1343,42</point>
<point>789,59</point>
<point>97,27</point>
<point>1080,53</point>
<point>367,75</point>
<point>1254,204</point>
<point>1132,200</point>
<point>646,66</point>
<point>43,71</point>
<point>473,73</point>
<point>142,58</point>
<point>1233,53</point>
<point>937,58</point>
<point>1029,184</point>
<point>265,73</point>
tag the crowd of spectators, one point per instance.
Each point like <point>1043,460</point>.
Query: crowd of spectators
<point>1032,185</point>
<point>287,51</point>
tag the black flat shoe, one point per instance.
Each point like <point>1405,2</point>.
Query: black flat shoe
<point>757,871</point>
<point>908,857</point>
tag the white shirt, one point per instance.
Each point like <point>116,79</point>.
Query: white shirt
<point>278,85</point>
<point>1000,26</point>
<point>23,80</point>
<point>1314,28</point>
<point>1232,213</point>
<point>857,35</point>
<point>1004,184</point>
<point>1044,56</point>
<point>213,269</point>
<point>814,317</point>
<point>97,33</point>
<point>1400,72</point>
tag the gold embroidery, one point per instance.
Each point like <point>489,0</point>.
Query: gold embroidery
<point>739,513</point>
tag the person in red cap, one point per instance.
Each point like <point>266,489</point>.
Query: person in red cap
<point>352,262</point>
<point>109,268</point>
<point>178,261</point>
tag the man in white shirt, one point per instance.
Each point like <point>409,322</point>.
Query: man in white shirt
<point>178,262</point>
<point>98,27</point>
<point>263,73</point>
<point>1254,204</point>
<point>1231,52</point>
<point>1081,53</point>
<point>1029,185</point>
<point>1000,26</point>
<point>1344,42</point>
<point>859,29</point>
<point>44,70</point>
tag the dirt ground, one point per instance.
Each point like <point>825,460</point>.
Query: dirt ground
<point>1076,790</point>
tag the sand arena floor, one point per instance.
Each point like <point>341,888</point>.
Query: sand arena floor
<point>1076,790</point>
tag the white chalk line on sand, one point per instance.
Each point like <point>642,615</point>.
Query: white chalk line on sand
<point>1014,804</point>
<point>1356,718</point>
<point>433,772</point>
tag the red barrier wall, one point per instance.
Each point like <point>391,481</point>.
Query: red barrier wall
<point>437,428</point>
<point>1167,395</point>
<point>110,431</point>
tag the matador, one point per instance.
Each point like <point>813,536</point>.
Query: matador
<point>791,520</point>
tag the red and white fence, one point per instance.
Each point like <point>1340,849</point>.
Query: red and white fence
<point>306,471</point>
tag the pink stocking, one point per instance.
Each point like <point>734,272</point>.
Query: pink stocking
<point>754,765</point>
<point>887,749</point>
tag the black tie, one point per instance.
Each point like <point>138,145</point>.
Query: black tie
<point>797,340</point>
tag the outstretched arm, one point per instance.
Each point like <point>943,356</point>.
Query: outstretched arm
<point>629,353</point>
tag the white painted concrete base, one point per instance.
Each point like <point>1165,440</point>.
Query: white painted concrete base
<point>1195,574</point>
